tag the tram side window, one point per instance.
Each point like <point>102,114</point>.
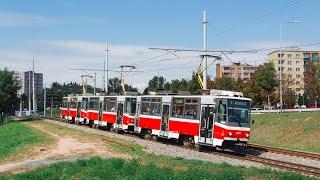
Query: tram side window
<point>85,103</point>
<point>185,108</point>
<point>73,104</point>
<point>222,112</point>
<point>94,104</point>
<point>110,104</point>
<point>65,103</point>
<point>151,106</point>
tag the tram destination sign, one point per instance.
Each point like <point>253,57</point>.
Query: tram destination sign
<point>236,103</point>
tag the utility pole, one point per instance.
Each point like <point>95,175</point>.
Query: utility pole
<point>44,100</point>
<point>33,91</point>
<point>29,74</point>
<point>95,83</point>
<point>104,72</point>
<point>205,73</point>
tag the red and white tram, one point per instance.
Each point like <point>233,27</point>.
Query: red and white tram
<point>210,120</point>
<point>221,119</point>
<point>69,108</point>
<point>74,108</point>
<point>112,111</point>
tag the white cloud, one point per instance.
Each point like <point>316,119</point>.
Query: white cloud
<point>14,19</point>
<point>17,19</point>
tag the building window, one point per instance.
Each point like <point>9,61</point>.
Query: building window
<point>298,76</point>
<point>297,89</point>
<point>282,55</point>
<point>297,62</point>
<point>297,56</point>
<point>226,68</point>
<point>297,82</point>
<point>289,69</point>
<point>297,69</point>
<point>289,56</point>
<point>289,63</point>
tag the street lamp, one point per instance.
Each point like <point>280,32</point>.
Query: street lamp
<point>280,57</point>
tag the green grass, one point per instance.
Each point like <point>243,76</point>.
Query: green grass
<point>55,113</point>
<point>97,168</point>
<point>15,137</point>
<point>296,131</point>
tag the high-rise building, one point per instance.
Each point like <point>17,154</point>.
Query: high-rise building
<point>293,64</point>
<point>28,80</point>
<point>236,71</point>
<point>18,77</point>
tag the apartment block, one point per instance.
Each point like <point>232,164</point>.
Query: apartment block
<point>28,81</point>
<point>236,71</point>
<point>293,64</point>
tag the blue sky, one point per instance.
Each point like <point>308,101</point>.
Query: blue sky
<point>65,34</point>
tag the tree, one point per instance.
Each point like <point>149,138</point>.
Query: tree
<point>8,93</point>
<point>193,85</point>
<point>311,79</point>
<point>223,83</point>
<point>265,82</point>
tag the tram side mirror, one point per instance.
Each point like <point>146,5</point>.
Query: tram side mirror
<point>252,122</point>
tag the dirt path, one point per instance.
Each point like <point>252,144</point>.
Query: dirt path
<point>66,148</point>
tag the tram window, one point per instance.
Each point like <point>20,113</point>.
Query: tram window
<point>94,104</point>
<point>131,106</point>
<point>73,104</point>
<point>110,104</point>
<point>191,111</point>
<point>85,103</point>
<point>185,108</point>
<point>222,112</point>
<point>150,106</point>
<point>65,103</point>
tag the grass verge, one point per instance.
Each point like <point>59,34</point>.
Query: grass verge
<point>17,138</point>
<point>295,131</point>
<point>97,168</point>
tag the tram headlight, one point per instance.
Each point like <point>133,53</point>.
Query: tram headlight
<point>230,134</point>
<point>247,135</point>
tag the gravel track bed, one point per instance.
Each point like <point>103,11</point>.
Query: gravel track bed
<point>291,159</point>
<point>166,149</point>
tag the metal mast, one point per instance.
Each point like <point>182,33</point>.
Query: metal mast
<point>33,91</point>
<point>205,73</point>
<point>107,58</point>
<point>29,74</point>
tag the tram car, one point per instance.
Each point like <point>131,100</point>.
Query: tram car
<point>116,112</point>
<point>74,108</point>
<point>68,110</point>
<point>221,119</point>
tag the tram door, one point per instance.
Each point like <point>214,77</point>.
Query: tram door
<point>119,115</point>
<point>206,124</point>
<point>164,120</point>
<point>136,119</point>
<point>100,112</point>
<point>78,109</point>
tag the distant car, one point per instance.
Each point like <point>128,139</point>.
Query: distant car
<point>303,106</point>
<point>296,106</point>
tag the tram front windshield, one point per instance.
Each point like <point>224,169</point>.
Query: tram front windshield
<point>238,112</point>
<point>234,112</point>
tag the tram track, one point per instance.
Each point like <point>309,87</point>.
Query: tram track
<point>308,170</point>
<point>262,148</point>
